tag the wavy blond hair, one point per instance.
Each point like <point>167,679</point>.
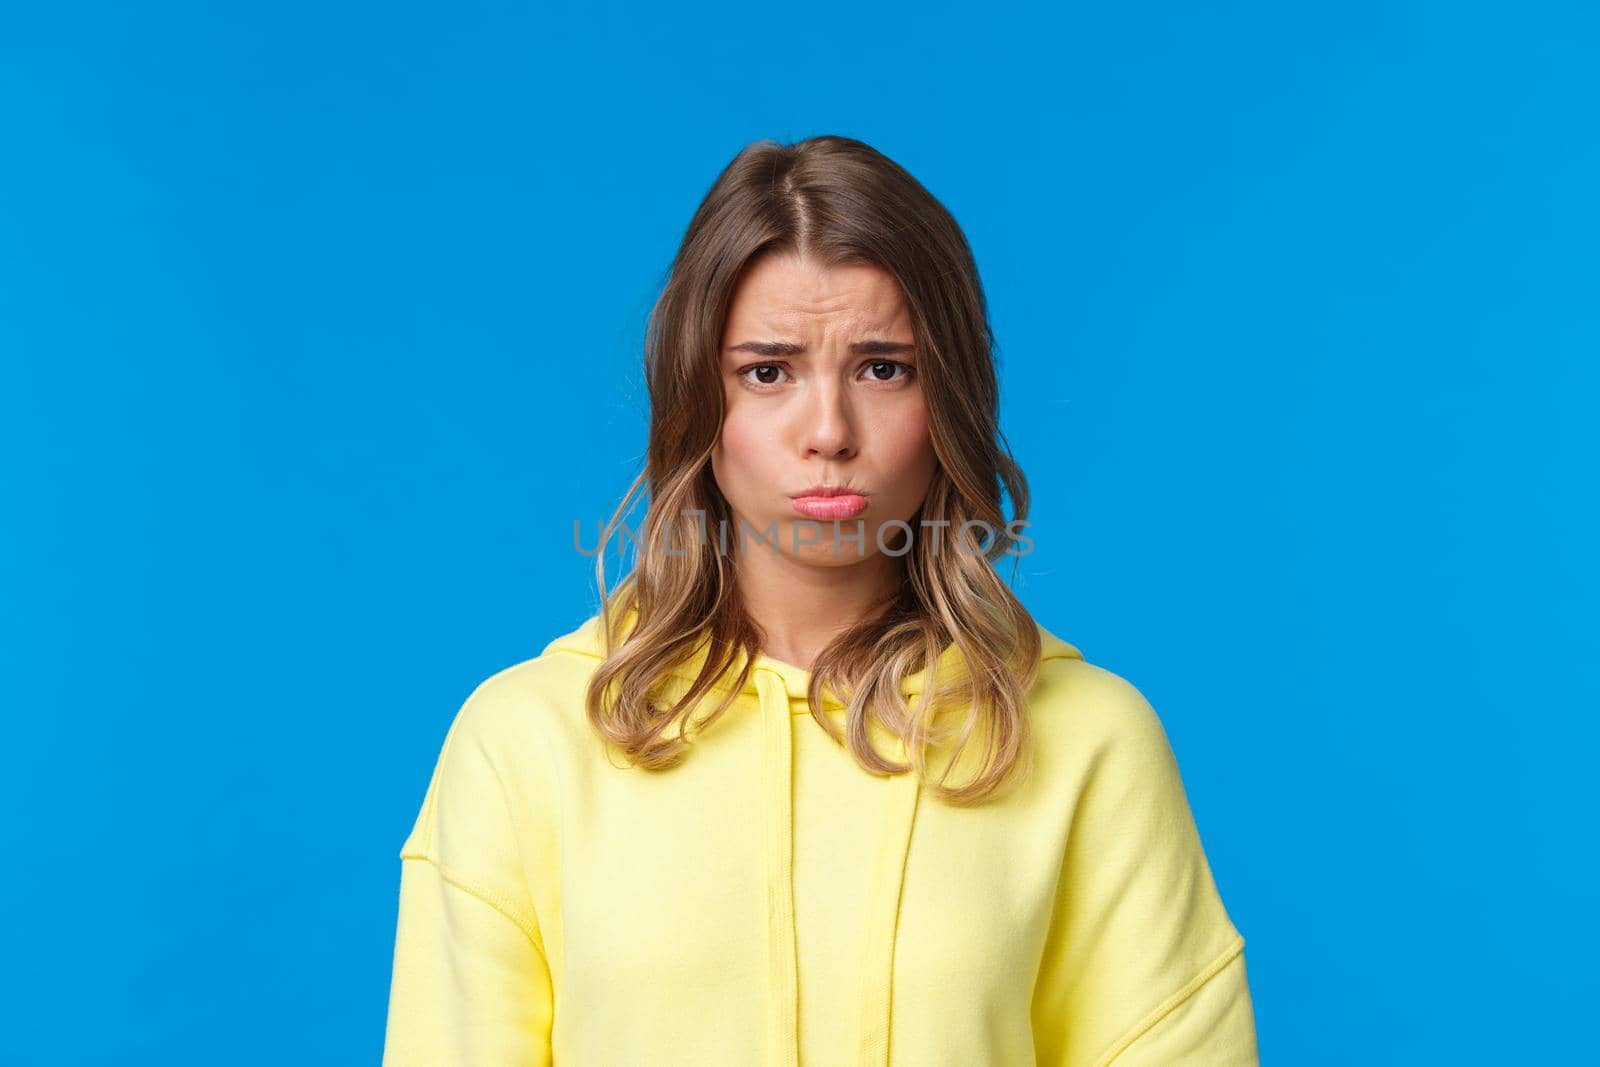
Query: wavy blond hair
<point>839,201</point>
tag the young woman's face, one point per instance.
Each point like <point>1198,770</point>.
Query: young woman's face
<point>820,387</point>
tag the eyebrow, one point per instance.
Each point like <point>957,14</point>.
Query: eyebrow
<point>786,348</point>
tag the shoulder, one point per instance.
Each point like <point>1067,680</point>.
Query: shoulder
<point>497,751</point>
<point>539,682</point>
<point>534,706</point>
<point>1096,725</point>
<point>537,687</point>
<point>1074,693</point>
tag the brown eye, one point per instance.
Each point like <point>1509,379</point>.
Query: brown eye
<point>882,370</point>
<point>766,374</point>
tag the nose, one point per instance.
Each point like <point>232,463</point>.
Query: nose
<point>829,426</point>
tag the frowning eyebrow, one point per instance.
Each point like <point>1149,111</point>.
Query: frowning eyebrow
<point>785,348</point>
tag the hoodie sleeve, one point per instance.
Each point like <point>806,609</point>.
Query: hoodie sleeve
<point>470,982</point>
<point>1142,965</point>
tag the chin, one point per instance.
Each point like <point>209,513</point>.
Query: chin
<point>822,556</point>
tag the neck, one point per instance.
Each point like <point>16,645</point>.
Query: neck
<point>802,606</point>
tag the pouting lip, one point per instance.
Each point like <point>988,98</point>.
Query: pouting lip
<point>827,490</point>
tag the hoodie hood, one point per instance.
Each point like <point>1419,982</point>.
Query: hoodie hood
<point>589,640</point>
<point>779,692</point>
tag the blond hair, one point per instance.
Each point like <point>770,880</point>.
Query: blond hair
<point>839,201</point>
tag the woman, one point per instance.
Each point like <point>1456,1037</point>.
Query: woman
<point>812,786</point>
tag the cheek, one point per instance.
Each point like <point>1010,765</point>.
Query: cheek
<point>909,444</point>
<point>742,449</point>
<point>737,443</point>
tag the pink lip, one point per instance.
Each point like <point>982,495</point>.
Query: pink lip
<point>842,506</point>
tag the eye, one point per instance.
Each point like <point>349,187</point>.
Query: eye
<point>878,367</point>
<point>767,374</point>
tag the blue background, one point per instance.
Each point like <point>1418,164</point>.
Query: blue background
<point>320,326</point>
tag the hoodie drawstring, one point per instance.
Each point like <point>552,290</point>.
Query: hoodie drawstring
<point>777,774</point>
<point>900,813</point>
<point>888,878</point>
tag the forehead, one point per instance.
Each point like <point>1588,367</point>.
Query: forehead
<point>785,290</point>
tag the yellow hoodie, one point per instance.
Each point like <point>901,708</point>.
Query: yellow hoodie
<point>770,902</point>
